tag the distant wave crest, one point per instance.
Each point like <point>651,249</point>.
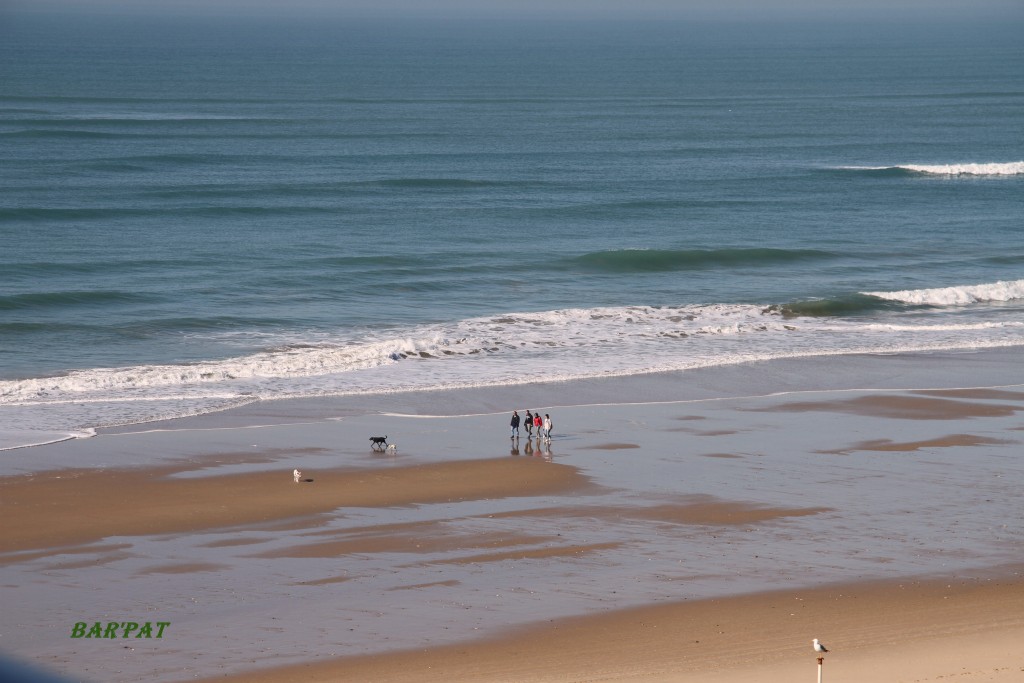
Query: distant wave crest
<point>957,296</point>
<point>660,260</point>
<point>1010,168</point>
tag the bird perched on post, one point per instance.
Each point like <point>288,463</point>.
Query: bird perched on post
<point>818,647</point>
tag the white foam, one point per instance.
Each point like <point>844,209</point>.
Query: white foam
<point>503,350</point>
<point>1010,168</point>
<point>990,169</point>
<point>965,327</point>
<point>958,295</point>
<point>13,439</point>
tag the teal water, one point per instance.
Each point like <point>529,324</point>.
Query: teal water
<point>199,214</point>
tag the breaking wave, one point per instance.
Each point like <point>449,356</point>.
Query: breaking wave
<point>1011,168</point>
<point>514,349</point>
<point>854,304</point>
<point>957,296</point>
<point>866,303</point>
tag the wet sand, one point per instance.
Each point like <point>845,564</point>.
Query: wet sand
<point>706,540</point>
<point>73,507</point>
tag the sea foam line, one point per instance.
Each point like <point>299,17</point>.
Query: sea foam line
<point>613,339</point>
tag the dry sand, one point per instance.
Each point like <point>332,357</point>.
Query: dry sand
<point>889,632</point>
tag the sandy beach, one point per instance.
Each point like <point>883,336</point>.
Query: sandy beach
<point>970,630</point>
<point>700,540</point>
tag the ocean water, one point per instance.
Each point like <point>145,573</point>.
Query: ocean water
<point>196,215</point>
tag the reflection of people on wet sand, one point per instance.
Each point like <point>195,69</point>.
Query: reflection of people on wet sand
<point>529,447</point>
<point>515,448</point>
<point>515,425</point>
<point>544,451</point>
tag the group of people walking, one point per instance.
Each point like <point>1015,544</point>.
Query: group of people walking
<point>530,422</point>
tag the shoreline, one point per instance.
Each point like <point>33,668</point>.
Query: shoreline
<point>813,374</point>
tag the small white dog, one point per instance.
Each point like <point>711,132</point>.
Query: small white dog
<point>393,447</point>
<point>296,475</point>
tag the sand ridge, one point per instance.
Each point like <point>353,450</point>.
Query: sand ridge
<point>76,506</point>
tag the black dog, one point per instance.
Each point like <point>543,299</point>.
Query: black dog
<point>378,443</point>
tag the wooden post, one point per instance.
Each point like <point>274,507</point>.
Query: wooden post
<point>821,660</point>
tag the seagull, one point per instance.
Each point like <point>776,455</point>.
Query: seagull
<point>818,647</point>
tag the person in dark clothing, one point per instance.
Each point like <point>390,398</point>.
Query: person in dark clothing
<point>515,425</point>
<point>529,424</point>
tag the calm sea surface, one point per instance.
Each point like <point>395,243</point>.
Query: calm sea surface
<point>199,215</point>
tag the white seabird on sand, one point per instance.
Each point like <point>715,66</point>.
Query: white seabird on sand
<point>818,647</point>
